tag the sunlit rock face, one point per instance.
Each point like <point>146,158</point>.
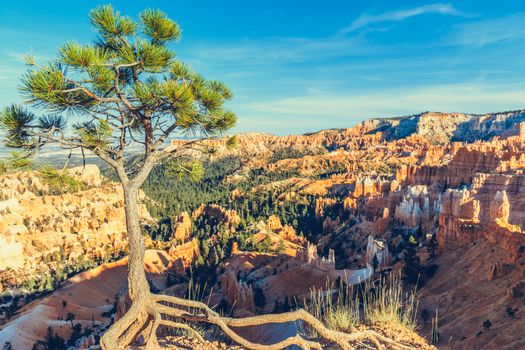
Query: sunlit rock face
<point>182,225</point>
<point>499,210</point>
<point>88,174</point>
<point>34,223</point>
<point>11,254</point>
<point>237,293</point>
<point>414,211</point>
<point>183,255</point>
<point>460,204</point>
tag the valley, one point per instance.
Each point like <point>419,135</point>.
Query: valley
<point>437,198</point>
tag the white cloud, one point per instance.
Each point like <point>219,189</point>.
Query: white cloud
<point>488,31</point>
<point>19,56</point>
<point>277,50</point>
<point>396,16</point>
<point>329,110</point>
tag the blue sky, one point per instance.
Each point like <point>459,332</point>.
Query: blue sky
<point>299,66</point>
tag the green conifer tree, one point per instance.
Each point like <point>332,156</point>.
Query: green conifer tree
<point>127,88</point>
<point>412,262</point>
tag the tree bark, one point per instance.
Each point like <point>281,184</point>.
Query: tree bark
<point>137,283</point>
<point>125,329</point>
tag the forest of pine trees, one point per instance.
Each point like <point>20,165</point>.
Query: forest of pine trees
<point>170,196</point>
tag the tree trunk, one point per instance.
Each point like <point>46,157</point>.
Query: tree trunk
<point>137,283</point>
<point>125,329</point>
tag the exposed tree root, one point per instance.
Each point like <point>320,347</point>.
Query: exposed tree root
<point>151,341</point>
<point>145,316</point>
<point>110,339</point>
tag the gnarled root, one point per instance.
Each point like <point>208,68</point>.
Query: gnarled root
<point>134,322</point>
<point>151,341</point>
<point>154,306</point>
<point>174,306</point>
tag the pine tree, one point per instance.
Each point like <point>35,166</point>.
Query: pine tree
<point>75,334</point>
<point>487,324</point>
<point>200,261</point>
<point>412,262</point>
<point>205,249</point>
<point>126,88</point>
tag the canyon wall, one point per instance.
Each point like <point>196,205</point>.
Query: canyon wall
<point>41,232</point>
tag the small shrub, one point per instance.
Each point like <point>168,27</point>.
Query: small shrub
<point>511,312</point>
<point>487,324</point>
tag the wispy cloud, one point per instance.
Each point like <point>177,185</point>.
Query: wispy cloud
<point>488,31</point>
<point>396,16</point>
<point>265,51</point>
<point>316,110</point>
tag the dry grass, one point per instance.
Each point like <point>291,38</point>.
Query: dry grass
<point>388,303</point>
<point>340,319</point>
<point>198,293</point>
<point>337,312</point>
<point>380,302</point>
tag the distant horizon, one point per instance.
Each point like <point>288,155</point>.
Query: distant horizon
<point>387,118</point>
<point>297,66</point>
<point>55,150</point>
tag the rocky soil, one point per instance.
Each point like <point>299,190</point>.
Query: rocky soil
<point>183,343</point>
